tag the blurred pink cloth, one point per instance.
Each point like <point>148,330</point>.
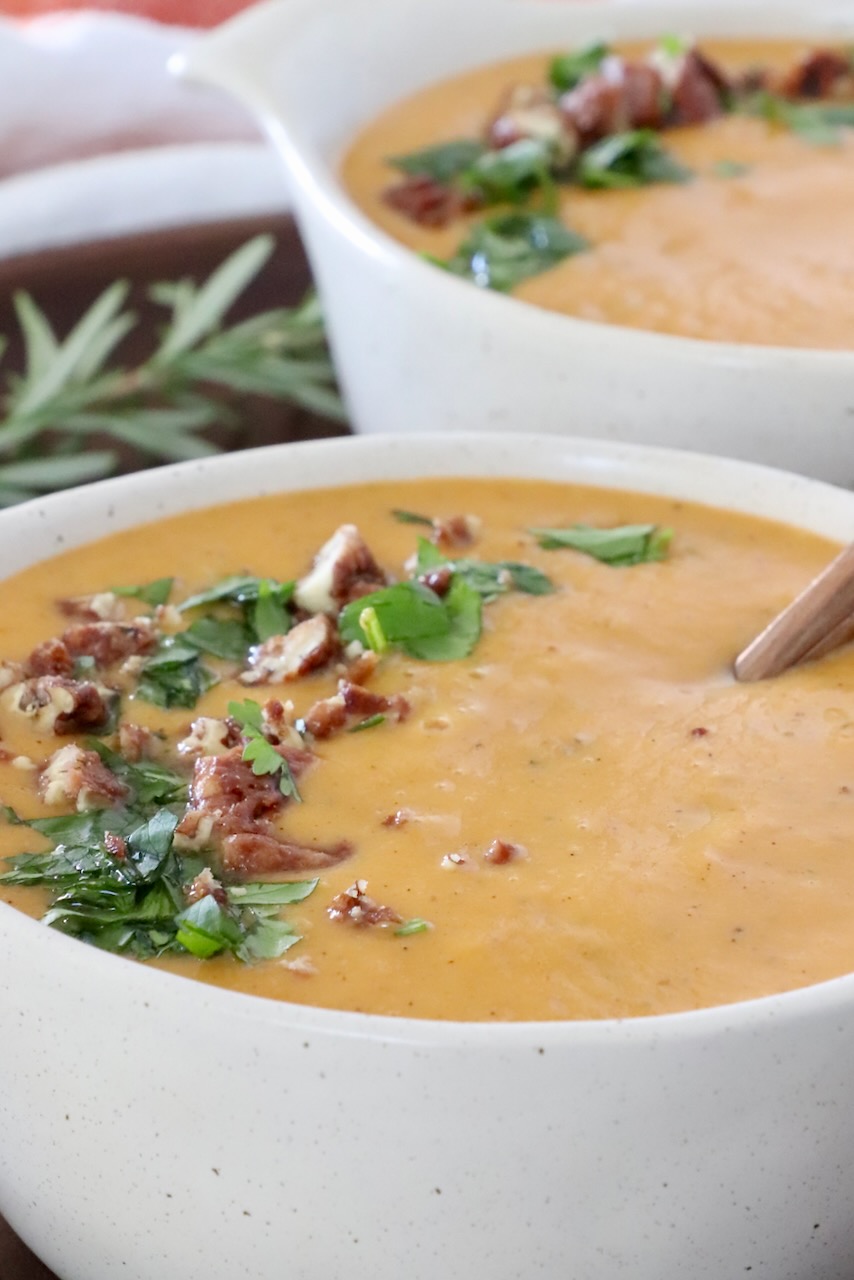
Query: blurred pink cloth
<point>81,84</point>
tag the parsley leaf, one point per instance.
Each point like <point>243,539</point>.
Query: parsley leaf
<point>568,69</point>
<point>509,174</point>
<point>508,248</point>
<point>149,782</point>
<point>818,123</point>
<point>153,593</point>
<point>238,589</point>
<point>489,579</point>
<point>174,675</point>
<point>411,517</point>
<point>370,722</point>
<point>409,927</point>
<point>730,169</point>
<point>261,754</point>
<point>632,159</point>
<point>223,637</point>
<point>443,163</point>
<point>625,545</point>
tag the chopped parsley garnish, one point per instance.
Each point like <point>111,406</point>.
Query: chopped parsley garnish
<point>443,163</point>
<point>411,517</point>
<point>227,638</point>
<point>507,248</point>
<point>370,723</point>
<point>411,617</point>
<point>627,544</point>
<point>730,169</point>
<point>149,783</point>
<point>135,901</point>
<point>409,927</point>
<point>819,123</point>
<point>632,159</point>
<point>489,579</point>
<point>568,69</point>
<point>258,751</point>
<point>153,593</point>
<point>174,676</point>
<point>262,603</point>
<point>510,174</point>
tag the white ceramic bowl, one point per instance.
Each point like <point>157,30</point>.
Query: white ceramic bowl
<point>417,349</point>
<point>155,1127</point>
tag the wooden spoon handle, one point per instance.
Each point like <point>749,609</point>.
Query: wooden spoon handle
<point>817,621</point>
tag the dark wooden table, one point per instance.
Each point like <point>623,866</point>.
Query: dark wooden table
<point>65,281</point>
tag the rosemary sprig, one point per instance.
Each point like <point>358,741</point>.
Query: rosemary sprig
<point>70,395</point>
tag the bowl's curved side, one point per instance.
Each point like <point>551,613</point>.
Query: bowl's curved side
<point>418,350</point>
<point>157,1124</point>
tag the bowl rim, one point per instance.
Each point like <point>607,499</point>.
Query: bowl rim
<point>119,503</point>
<point>320,188</point>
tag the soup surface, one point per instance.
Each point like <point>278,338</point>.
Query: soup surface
<point>751,243</point>
<point>584,816</point>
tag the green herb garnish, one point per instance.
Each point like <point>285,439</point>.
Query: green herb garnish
<point>409,927</point>
<point>632,159</point>
<point>818,123</point>
<point>730,169</point>
<point>135,902</point>
<point>443,163</point>
<point>508,248</point>
<point>153,593</point>
<point>370,722</point>
<point>568,69</point>
<point>258,752</point>
<point>489,579</point>
<point>225,638</point>
<point>627,544</point>
<point>411,517</point>
<point>174,675</point>
<point>511,174</point>
<point>412,617</point>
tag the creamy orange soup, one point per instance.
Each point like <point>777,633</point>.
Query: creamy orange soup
<point>755,248</point>
<point>675,839</point>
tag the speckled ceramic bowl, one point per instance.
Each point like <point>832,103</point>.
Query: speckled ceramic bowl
<point>155,1127</point>
<point>420,350</point>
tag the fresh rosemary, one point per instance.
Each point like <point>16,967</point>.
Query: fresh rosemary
<point>71,398</point>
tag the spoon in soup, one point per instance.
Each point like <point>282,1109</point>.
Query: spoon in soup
<point>817,621</point>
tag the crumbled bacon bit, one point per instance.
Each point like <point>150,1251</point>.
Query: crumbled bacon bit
<point>61,705</point>
<point>81,777</point>
<point>355,906</point>
<point>503,851</point>
<point>50,658</point>
<point>205,885</point>
<point>344,569</point>
<point>331,714</point>
<point>822,73</point>
<point>429,203</point>
<point>116,845</point>
<point>109,642</point>
<point>307,646</point>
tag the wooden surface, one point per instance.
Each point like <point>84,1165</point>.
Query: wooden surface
<point>65,281</point>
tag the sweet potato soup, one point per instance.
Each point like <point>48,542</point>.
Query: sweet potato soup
<point>474,753</point>
<point>694,191</point>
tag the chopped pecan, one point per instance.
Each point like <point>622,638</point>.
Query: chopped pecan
<point>205,885</point>
<point>822,73</point>
<point>73,775</point>
<point>501,851</point>
<point>253,853</point>
<point>137,742</point>
<point>451,532</point>
<point>50,658</point>
<point>438,579</point>
<point>10,673</point>
<point>355,906</point>
<point>362,667</point>
<point>307,646</point>
<point>429,203</point>
<point>699,90</point>
<point>343,569</point>
<point>104,606</point>
<point>59,705</point>
<point>109,642</point>
<point>621,95</point>
<point>528,112</point>
<point>116,845</point>
<point>209,736</point>
<point>351,700</point>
